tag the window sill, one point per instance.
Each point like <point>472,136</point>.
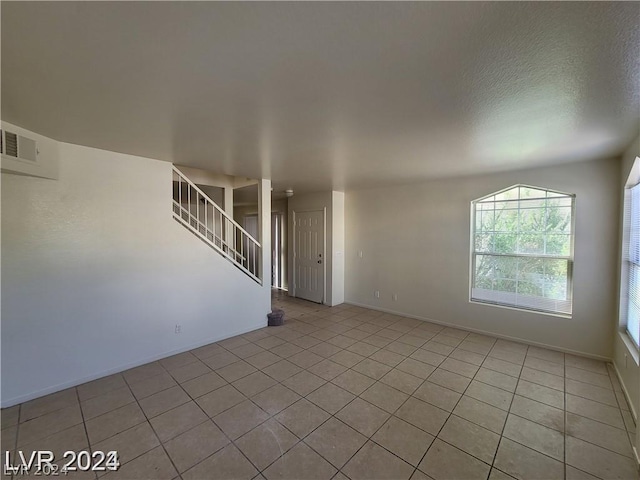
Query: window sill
<point>631,347</point>
<point>524,310</point>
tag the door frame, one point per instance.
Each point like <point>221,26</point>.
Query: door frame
<point>282,233</point>
<point>324,251</point>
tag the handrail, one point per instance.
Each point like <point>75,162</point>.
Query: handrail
<point>218,229</point>
<point>215,205</point>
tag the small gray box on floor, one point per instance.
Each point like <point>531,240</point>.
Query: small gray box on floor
<point>276,317</point>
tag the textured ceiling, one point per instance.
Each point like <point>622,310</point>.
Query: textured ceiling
<point>328,95</point>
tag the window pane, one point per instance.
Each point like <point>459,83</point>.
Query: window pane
<point>530,289</point>
<point>558,245</point>
<point>505,268</point>
<point>488,220</point>
<point>556,278</point>
<point>531,243</point>
<point>505,243</point>
<point>488,199</point>
<point>558,219</point>
<point>486,205</point>
<point>505,205</point>
<point>533,203</point>
<point>531,269</point>
<point>633,325</point>
<point>527,192</point>
<point>531,276</point>
<point>560,202</point>
<point>483,277</point>
<point>483,243</point>
<point>506,220</point>
<point>510,194</point>
<point>506,286</point>
<point>633,315</point>
<point>532,220</point>
<point>634,233</point>
<point>478,215</point>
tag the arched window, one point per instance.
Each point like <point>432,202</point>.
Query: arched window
<point>522,249</point>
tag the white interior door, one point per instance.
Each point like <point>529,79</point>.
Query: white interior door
<point>309,255</point>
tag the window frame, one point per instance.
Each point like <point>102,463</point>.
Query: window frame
<point>625,261</point>
<point>569,258</point>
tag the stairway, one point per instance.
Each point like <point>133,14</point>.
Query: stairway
<point>204,218</point>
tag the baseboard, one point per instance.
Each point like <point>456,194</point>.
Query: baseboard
<point>120,368</point>
<point>627,397</point>
<point>632,409</point>
<point>483,332</point>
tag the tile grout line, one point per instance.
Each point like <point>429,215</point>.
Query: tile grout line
<point>15,441</point>
<point>84,425</point>
<point>504,426</point>
<point>565,418</point>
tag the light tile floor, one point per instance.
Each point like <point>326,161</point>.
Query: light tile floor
<point>345,392</point>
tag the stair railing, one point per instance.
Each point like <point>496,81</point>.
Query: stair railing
<point>196,211</point>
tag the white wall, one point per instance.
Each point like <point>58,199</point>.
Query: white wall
<point>96,274</point>
<point>625,355</point>
<point>337,246</point>
<point>333,205</point>
<point>415,243</point>
<point>264,231</point>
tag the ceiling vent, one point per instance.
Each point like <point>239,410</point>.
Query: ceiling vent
<point>17,146</point>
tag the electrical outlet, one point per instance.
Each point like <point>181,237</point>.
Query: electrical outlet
<point>178,328</point>
<point>376,294</point>
<point>395,297</point>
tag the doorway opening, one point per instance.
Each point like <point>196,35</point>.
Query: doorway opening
<point>278,252</point>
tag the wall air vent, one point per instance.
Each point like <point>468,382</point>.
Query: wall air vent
<point>11,144</point>
<point>17,146</point>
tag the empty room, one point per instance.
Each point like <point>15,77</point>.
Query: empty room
<point>320,240</point>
